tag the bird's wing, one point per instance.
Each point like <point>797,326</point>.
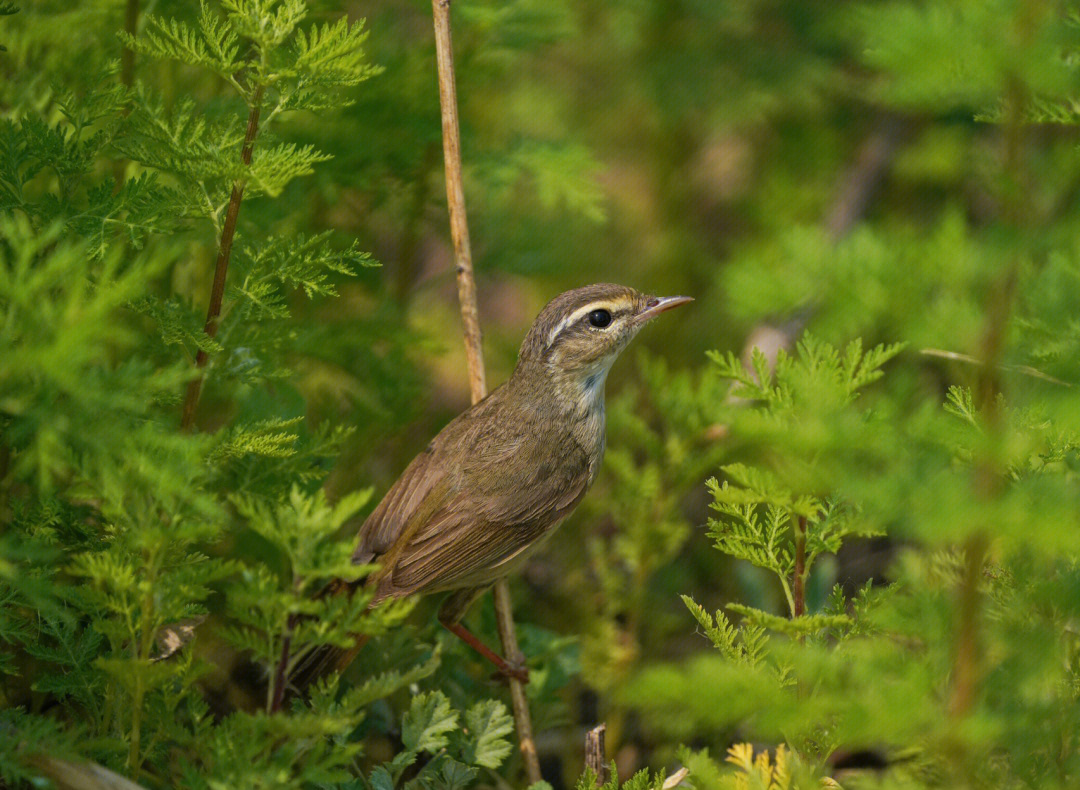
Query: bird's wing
<point>441,527</point>
<point>423,489</point>
<point>470,540</point>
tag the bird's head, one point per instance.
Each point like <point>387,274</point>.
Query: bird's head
<point>578,335</point>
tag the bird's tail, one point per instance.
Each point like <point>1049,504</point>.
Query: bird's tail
<point>326,659</point>
<point>323,661</point>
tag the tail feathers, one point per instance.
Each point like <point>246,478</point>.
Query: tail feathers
<point>326,659</point>
<point>323,661</point>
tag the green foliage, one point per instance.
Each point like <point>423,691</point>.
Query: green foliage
<point>663,451</point>
<point>746,644</point>
<point>900,172</point>
<point>642,780</point>
<point>433,726</point>
<point>139,563</point>
<point>297,67</point>
<point>48,174</point>
<point>760,519</point>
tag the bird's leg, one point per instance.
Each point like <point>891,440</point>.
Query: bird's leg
<point>450,614</point>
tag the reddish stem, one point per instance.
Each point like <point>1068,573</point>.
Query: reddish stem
<point>221,269</point>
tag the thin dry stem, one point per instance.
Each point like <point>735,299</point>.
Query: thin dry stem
<point>221,269</point>
<point>459,232</point>
<point>596,753</point>
<point>504,622</point>
<point>455,199</point>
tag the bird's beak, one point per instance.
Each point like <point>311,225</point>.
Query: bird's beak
<point>659,304</point>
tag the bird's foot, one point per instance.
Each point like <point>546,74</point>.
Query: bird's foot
<point>514,668</point>
<point>507,668</point>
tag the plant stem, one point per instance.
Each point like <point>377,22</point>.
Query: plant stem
<point>988,478</point>
<point>798,578</point>
<point>228,231</point>
<point>459,232</point>
<point>872,162</point>
<point>966,656</point>
<point>596,754</point>
<point>504,622</point>
<point>455,199</point>
<point>277,690</point>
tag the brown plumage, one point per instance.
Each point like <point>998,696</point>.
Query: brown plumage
<point>500,477</point>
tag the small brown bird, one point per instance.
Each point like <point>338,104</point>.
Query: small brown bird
<point>498,480</point>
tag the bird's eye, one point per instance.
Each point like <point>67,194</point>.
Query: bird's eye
<point>599,318</point>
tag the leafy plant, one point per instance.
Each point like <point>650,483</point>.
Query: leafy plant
<point>124,595</point>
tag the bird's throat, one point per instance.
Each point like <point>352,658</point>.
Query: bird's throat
<point>581,392</point>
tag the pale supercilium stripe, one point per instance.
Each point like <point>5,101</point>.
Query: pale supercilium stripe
<point>576,316</point>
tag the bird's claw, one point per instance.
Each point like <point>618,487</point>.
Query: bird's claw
<point>516,669</point>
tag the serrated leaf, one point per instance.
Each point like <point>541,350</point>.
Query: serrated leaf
<point>380,779</point>
<point>487,724</point>
<point>451,775</point>
<point>426,726</point>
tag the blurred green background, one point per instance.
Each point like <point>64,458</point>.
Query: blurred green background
<point>856,169</point>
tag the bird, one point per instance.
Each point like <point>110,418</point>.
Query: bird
<point>498,480</point>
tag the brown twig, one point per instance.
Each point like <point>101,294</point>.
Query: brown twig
<point>504,622</point>
<point>596,753</point>
<point>127,76</point>
<point>459,232</point>
<point>221,269</point>
<point>455,199</point>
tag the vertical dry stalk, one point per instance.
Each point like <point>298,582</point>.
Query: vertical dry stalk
<point>459,231</point>
<point>221,269</point>
<point>596,754</point>
<point>127,76</point>
<point>455,199</point>
<point>504,621</point>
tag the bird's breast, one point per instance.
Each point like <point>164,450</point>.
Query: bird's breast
<point>587,433</point>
